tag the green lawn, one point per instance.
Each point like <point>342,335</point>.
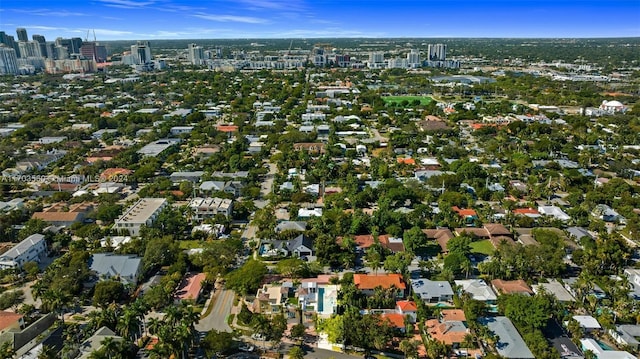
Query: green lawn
<point>483,247</point>
<point>424,100</point>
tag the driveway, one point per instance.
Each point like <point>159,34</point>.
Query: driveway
<point>217,318</point>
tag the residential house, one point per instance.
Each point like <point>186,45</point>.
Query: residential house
<point>311,148</point>
<point>450,328</point>
<point>115,174</point>
<point>231,187</point>
<point>309,212</point>
<point>607,214</point>
<point>191,287</point>
<point>396,320</point>
<point>556,289</point>
<point>578,233</point>
<point>367,283</point>
<point>301,246</point>
<point>297,226</point>
<point>155,148</point>
<point>571,283</point>
<point>626,335</point>
<point>95,342</point>
<point>432,291</point>
<point>633,275</point>
<point>270,299</point>
<point>63,215</point>
<point>593,346</point>
<point>191,176</point>
<point>511,287</point>
<point>478,289</point>
<point>12,205</point>
<point>496,233</point>
<point>207,208</point>
<point>106,154</point>
<point>180,130</point>
<point>316,295</point>
<point>126,268</point>
<point>30,249</point>
<point>554,212</point>
<point>468,215</point>
<point>50,140</point>
<point>407,308</point>
<point>588,323</point>
<point>143,213</point>
<point>510,344</point>
<point>10,320</point>
<point>440,235</point>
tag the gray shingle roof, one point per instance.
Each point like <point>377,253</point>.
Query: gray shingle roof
<point>111,265</point>
<point>510,344</point>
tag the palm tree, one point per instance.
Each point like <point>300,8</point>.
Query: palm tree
<point>48,352</point>
<point>409,348</point>
<point>55,300</point>
<point>109,347</point>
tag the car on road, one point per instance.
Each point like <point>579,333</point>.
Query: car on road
<point>257,336</point>
<point>246,348</point>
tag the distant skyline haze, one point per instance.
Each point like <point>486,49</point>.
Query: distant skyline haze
<point>224,19</point>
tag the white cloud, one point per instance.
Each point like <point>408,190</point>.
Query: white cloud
<point>127,4</point>
<point>231,18</point>
<point>109,32</point>
<point>49,12</point>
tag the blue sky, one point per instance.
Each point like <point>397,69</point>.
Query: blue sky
<point>183,19</point>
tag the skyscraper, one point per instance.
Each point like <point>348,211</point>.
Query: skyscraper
<point>413,58</point>
<point>141,52</point>
<point>195,54</point>
<point>8,61</point>
<point>437,52</point>
<point>22,34</point>
<point>9,41</point>
<point>43,45</point>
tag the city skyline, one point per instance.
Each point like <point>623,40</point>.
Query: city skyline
<point>181,19</point>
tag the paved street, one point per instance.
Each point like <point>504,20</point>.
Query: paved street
<point>217,319</point>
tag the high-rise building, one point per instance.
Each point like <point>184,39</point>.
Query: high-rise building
<point>29,49</point>
<point>437,52</point>
<point>101,53</point>
<point>43,45</point>
<point>9,41</point>
<point>88,51</point>
<point>376,57</point>
<point>141,52</point>
<point>413,58</point>
<point>8,61</point>
<point>22,34</point>
<point>195,54</point>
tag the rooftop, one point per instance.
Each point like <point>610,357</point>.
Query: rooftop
<point>142,210</point>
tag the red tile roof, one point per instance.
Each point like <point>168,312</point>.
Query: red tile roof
<point>191,286</point>
<point>464,212</point>
<point>511,286</point>
<point>453,314</point>
<point>371,281</point>
<point>9,319</point>
<point>406,306</point>
<point>227,128</point>
<point>396,319</point>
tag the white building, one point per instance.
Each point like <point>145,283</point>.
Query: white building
<point>205,208</point>
<point>31,249</point>
<point>8,61</point>
<point>142,213</point>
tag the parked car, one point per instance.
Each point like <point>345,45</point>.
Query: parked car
<point>246,348</point>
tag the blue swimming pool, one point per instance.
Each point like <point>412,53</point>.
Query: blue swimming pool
<point>320,299</point>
